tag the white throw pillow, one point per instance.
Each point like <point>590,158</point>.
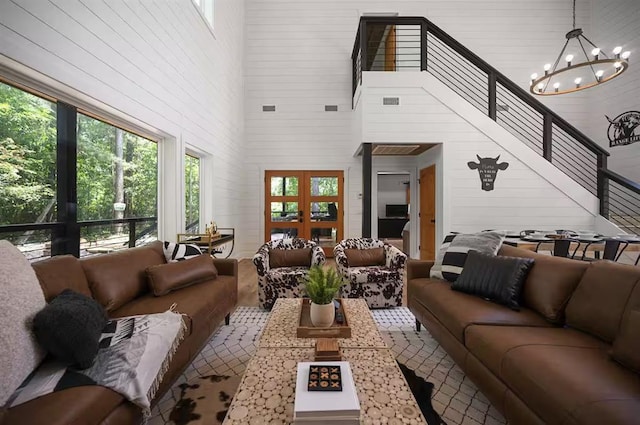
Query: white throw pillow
<point>174,252</point>
<point>21,298</point>
<point>453,252</point>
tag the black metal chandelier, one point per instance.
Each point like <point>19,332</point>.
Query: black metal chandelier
<point>579,74</point>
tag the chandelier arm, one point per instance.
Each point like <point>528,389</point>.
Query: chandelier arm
<point>593,71</point>
<point>596,47</point>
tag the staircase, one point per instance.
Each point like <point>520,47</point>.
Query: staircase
<point>415,43</point>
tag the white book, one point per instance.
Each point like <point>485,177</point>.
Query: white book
<point>327,421</point>
<point>321,404</point>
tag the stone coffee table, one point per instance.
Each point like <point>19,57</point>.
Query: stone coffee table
<point>267,391</point>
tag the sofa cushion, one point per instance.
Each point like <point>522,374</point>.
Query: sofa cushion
<point>490,344</point>
<point>164,278</point>
<point>550,282</point>
<point>562,383</point>
<point>69,328</point>
<point>496,278</point>
<point>598,302</point>
<point>626,347</point>
<point>20,299</point>
<point>290,257</point>
<point>77,405</point>
<point>199,302</point>
<point>436,269</point>
<point>59,273</point>
<point>365,257</point>
<point>456,311</point>
<point>179,251</point>
<point>119,277</point>
<point>456,255</point>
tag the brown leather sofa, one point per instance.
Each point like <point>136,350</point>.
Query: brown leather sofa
<point>119,283</point>
<point>553,362</point>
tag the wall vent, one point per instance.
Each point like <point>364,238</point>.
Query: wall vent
<point>330,108</point>
<point>395,101</point>
<point>268,108</point>
<point>502,108</point>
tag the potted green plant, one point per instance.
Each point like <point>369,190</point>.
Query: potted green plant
<point>322,286</point>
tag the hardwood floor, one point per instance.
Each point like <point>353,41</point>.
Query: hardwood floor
<point>248,283</point>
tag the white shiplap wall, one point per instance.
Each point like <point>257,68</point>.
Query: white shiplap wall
<point>155,62</point>
<point>617,23</point>
<point>298,58</point>
<point>524,197</point>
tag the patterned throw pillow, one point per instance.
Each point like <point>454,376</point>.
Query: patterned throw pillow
<point>456,254</point>
<point>436,269</point>
<point>180,251</point>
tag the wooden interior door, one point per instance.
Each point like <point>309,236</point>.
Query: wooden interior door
<point>428,213</point>
<point>305,204</point>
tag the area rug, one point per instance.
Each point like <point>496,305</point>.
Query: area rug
<point>205,400</point>
<point>452,396</point>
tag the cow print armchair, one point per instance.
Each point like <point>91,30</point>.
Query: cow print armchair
<point>281,264</point>
<point>373,269</point>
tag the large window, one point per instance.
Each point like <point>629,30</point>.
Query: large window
<point>192,193</point>
<point>70,183</point>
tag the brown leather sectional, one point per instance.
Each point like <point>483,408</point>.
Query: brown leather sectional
<point>553,362</point>
<point>119,283</point>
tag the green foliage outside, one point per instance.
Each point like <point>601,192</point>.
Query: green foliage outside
<point>192,193</point>
<point>322,285</point>
<point>28,166</point>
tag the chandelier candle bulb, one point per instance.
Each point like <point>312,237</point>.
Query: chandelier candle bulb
<point>617,51</point>
<point>626,55</point>
<point>595,52</point>
<point>569,58</point>
<point>556,86</point>
<point>577,81</point>
<point>599,75</point>
<point>617,65</point>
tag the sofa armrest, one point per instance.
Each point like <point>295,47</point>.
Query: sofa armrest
<point>228,267</point>
<point>418,268</point>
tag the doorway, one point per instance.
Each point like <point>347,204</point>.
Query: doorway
<point>305,204</point>
<point>428,213</point>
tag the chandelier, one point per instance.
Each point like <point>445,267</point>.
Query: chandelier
<point>571,73</point>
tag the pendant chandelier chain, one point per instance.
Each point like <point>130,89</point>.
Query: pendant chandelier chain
<point>574,13</point>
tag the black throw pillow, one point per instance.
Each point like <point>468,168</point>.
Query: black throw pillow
<point>496,278</point>
<point>69,328</point>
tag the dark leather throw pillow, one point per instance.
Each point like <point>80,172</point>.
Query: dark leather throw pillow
<point>365,257</point>
<point>69,328</point>
<point>289,257</point>
<point>168,277</point>
<point>496,278</point>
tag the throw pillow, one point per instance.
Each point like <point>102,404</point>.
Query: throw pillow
<point>21,298</point>
<point>456,255</point>
<point>69,328</point>
<point>436,269</point>
<point>299,257</point>
<point>365,257</point>
<point>165,278</point>
<point>496,278</point>
<point>180,251</point>
<point>626,347</point>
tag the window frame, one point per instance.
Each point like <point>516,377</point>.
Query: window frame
<point>200,6</point>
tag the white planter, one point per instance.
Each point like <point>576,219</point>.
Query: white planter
<point>322,315</point>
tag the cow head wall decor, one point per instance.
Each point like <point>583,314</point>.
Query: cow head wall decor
<point>488,169</point>
<point>622,129</point>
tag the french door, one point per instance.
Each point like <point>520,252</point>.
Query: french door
<point>305,204</point>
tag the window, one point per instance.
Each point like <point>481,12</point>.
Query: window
<point>192,193</point>
<point>206,10</point>
<point>116,179</point>
<point>70,183</point>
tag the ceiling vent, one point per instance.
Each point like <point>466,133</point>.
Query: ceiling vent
<point>330,108</point>
<point>268,108</point>
<point>394,149</point>
<point>394,101</point>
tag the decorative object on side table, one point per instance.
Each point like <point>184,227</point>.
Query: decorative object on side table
<point>327,349</point>
<point>337,329</point>
<point>322,286</point>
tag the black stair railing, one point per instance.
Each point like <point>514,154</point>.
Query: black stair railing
<point>415,43</point>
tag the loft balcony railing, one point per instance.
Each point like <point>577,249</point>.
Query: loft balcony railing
<point>399,44</point>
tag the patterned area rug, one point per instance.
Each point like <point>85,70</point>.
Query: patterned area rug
<point>454,397</point>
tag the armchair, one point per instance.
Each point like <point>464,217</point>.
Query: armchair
<point>281,264</point>
<point>372,273</point>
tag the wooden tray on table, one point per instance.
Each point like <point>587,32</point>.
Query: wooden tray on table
<point>337,330</point>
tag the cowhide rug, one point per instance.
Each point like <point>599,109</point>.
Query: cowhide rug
<point>205,400</point>
<point>422,391</point>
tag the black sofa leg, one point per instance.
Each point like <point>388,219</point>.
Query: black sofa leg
<point>418,325</point>
<point>227,318</point>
